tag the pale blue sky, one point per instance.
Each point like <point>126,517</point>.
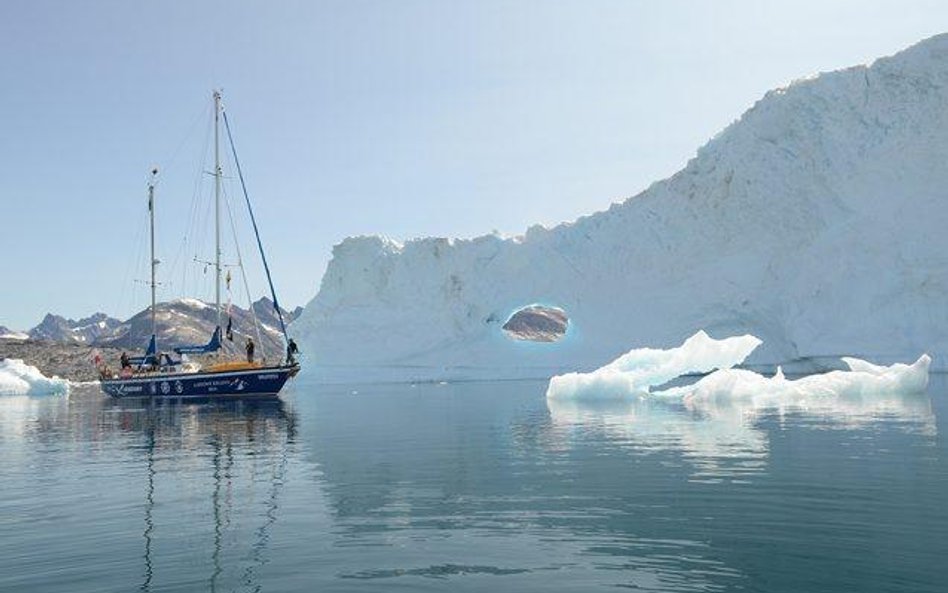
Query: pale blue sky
<point>402,118</point>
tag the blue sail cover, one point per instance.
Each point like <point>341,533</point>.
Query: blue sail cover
<point>213,346</point>
<point>149,358</point>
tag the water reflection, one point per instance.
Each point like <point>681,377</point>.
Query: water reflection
<point>471,486</point>
<point>458,482</point>
<point>202,481</point>
<point>237,436</point>
<point>149,507</point>
<point>724,438</point>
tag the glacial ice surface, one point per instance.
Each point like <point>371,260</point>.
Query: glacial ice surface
<point>19,378</point>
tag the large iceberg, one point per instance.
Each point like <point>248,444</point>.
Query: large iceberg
<point>19,378</point>
<point>816,221</point>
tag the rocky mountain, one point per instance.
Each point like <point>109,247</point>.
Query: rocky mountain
<point>294,314</point>
<point>815,222</point>
<point>266,313</point>
<point>55,328</point>
<point>191,321</point>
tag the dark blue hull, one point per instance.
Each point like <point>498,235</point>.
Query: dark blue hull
<point>260,382</point>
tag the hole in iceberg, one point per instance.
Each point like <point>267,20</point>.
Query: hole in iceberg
<point>537,323</point>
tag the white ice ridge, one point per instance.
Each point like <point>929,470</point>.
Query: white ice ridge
<point>636,371</point>
<point>19,378</point>
<point>863,379</point>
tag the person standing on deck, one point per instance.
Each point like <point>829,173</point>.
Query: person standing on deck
<point>291,350</point>
<point>250,347</point>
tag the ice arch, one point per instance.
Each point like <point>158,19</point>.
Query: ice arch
<point>537,323</point>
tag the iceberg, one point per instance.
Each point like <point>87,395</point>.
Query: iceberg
<point>863,379</point>
<point>636,371</point>
<point>713,421</point>
<point>19,378</point>
<point>815,221</point>
<point>716,426</point>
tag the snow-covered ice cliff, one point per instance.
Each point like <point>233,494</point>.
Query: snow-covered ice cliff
<point>816,222</point>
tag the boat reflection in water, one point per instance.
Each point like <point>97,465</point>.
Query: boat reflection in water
<point>213,475</point>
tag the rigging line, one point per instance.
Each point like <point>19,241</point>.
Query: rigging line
<point>166,167</point>
<point>202,222</point>
<point>243,275</point>
<point>256,231</point>
<point>191,127</point>
<point>191,226</point>
<point>127,298</point>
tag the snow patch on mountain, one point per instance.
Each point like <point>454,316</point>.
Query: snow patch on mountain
<point>192,303</point>
<point>9,334</point>
<point>816,222</point>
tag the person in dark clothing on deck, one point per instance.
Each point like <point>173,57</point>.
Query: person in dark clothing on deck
<point>250,348</point>
<point>291,351</point>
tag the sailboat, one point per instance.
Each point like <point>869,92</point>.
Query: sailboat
<point>158,374</point>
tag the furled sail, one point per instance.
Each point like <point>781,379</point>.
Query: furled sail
<point>213,346</point>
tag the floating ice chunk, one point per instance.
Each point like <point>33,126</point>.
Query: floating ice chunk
<point>19,378</point>
<point>714,423</point>
<point>865,379</point>
<point>636,371</point>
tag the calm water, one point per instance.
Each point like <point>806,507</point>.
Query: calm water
<point>468,487</point>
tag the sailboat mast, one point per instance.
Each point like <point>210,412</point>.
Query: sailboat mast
<point>154,262</point>
<point>217,206</point>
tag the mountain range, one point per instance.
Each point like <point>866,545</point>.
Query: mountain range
<point>178,322</point>
<point>55,328</point>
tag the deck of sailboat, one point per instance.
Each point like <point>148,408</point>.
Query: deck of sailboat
<point>203,373</point>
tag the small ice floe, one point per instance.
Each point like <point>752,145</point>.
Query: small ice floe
<point>636,371</point>
<point>19,378</point>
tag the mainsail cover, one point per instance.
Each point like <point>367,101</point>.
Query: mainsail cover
<point>213,346</point>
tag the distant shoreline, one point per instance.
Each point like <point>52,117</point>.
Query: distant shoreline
<point>67,361</point>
